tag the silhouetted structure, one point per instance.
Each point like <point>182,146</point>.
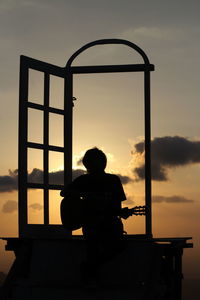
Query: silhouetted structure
<point>148,269</point>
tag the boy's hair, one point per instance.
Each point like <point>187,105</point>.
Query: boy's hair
<point>94,160</point>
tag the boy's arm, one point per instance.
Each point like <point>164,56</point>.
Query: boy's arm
<point>70,188</point>
<point>69,192</point>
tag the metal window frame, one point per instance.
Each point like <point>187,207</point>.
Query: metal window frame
<point>25,229</point>
<point>67,73</point>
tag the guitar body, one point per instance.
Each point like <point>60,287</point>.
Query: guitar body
<point>72,208</point>
<point>71,211</point>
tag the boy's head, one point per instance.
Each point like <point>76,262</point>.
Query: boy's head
<point>94,160</point>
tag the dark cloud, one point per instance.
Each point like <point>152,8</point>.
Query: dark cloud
<point>10,206</point>
<point>171,199</point>
<point>56,177</point>
<point>159,173</point>
<point>36,176</point>
<point>9,183</point>
<point>168,152</point>
<point>124,179</point>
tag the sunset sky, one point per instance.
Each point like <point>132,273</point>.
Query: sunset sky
<point>108,112</point>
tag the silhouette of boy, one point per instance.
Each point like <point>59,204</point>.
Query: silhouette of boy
<point>102,195</point>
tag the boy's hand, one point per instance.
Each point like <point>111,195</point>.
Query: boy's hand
<point>125,213</point>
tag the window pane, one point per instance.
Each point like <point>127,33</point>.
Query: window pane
<point>35,126</point>
<point>56,165</point>
<point>35,165</point>
<point>35,206</point>
<point>56,99</point>
<point>54,207</point>
<point>56,127</point>
<point>36,87</point>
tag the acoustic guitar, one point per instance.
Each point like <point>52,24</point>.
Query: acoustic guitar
<point>72,207</point>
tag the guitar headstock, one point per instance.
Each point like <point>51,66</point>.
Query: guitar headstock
<point>139,210</point>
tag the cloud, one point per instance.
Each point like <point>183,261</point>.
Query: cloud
<point>9,183</point>
<point>124,179</point>
<point>167,152</point>
<point>171,199</point>
<point>36,206</point>
<point>36,176</point>
<point>158,172</point>
<point>10,206</point>
<point>57,177</point>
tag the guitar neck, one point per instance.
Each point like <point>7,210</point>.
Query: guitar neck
<point>138,210</point>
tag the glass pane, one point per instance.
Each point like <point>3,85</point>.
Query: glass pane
<point>35,165</point>
<point>56,166</point>
<point>54,207</point>
<point>56,99</point>
<point>56,126</point>
<point>35,206</point>
<point>36,87</point>
<point>35,126</point>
